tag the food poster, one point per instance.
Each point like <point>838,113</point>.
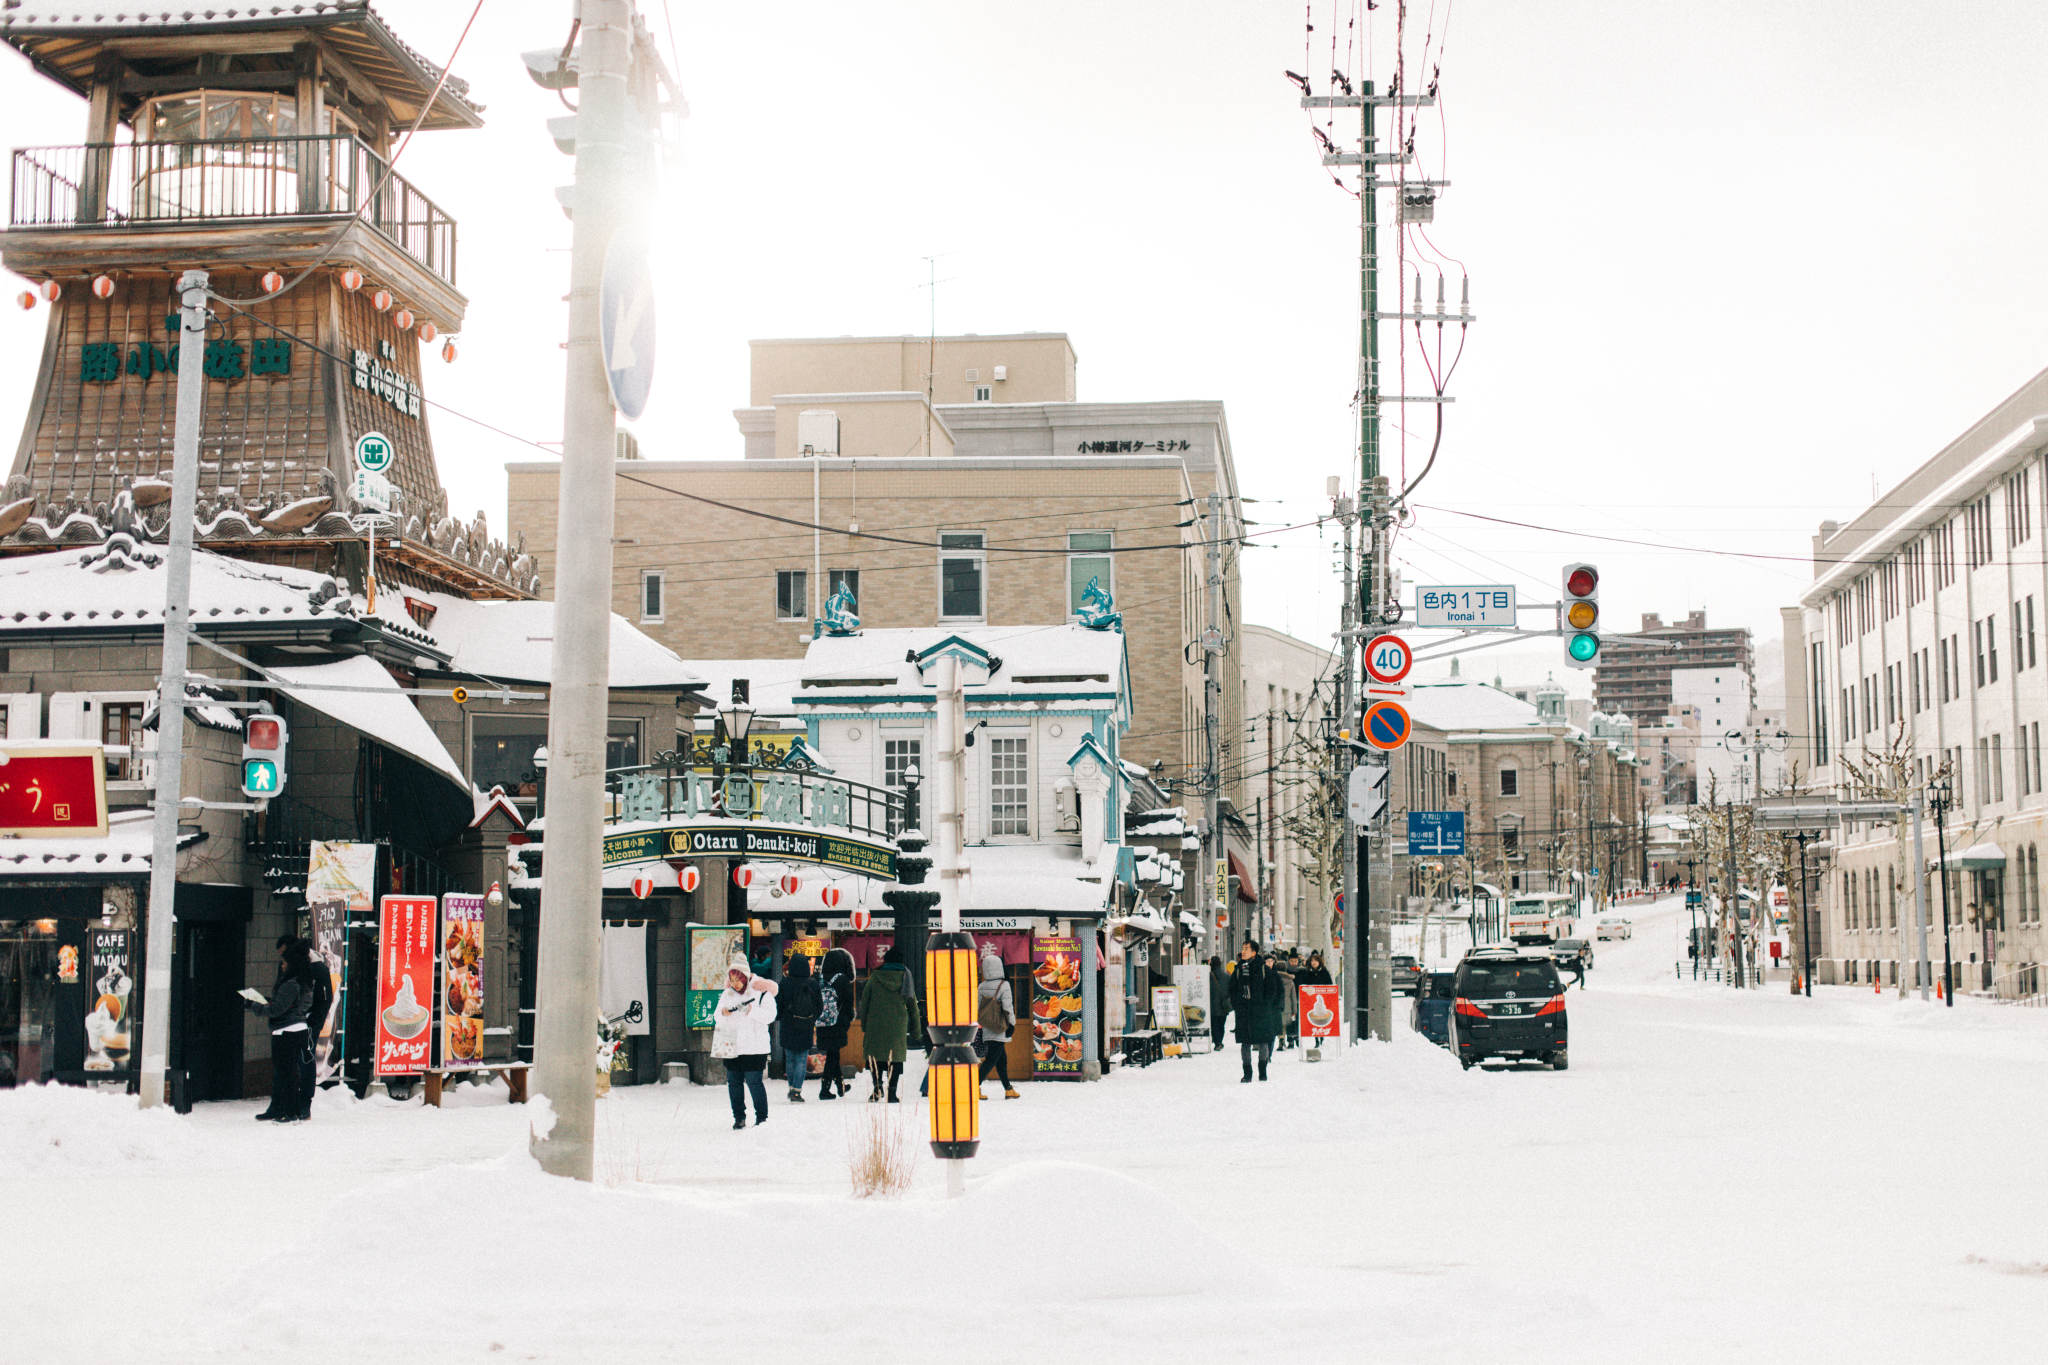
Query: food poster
<point>1056,1024</point>
<point>405,985</point>
<point>462,980</point>
<point>110,964</point>
<point>1318,1014</point>
<point>338,880</point>
<point>712,949</point>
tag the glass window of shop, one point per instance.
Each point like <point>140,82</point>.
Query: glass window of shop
<point>502,749</point>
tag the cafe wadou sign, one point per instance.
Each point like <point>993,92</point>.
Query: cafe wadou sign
<point>779,842</point>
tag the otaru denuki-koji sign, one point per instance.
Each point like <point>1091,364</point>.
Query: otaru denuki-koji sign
<point>738,841</point>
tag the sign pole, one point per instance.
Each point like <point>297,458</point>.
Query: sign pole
<point>170,747</point>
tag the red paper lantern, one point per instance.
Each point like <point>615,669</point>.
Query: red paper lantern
<point>26,298</point>
<point>381,300</point>
<point>688,879</point>
<point>427,332</point>
<point>790,883</point>
<point>643,885</point>
<point>862,917</point>
<point>743,876</point>
<point>103,286</point>
<point>830,895</point>
<point>351,279</point>
<point>51,290</point>
<point>448,351</point>
<point>404,319</point>
<point>272,281</point>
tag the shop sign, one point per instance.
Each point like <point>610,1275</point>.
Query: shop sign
<point>973,924</point>
<point>1129,447</point>
<point>712,949</point>
<point>110,963</point>
<point>813,948</point>
<point>729,840</point>
<point>1166,1007</point>
<point>405,985</point>
<point>102,362</point>
<point>462,980</point>
<point>372,375</point>
<point>1056,1026</point>
<point>1318,1011</point>
<point>338,881</point>
<point>53,791</point>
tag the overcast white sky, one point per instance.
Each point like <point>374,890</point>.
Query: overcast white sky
<point>1732,261</point>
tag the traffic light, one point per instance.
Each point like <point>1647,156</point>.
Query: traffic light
<point>263,747</point>
<point>1366,792</point>
<point>1581,615</point>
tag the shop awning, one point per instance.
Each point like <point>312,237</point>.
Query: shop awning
<point>1247,889</point>
<point>1977,857</point>
<point>379,710</point>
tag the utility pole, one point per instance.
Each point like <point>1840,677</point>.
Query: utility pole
<point>170,710</point>
<point>1347,702</point>
<point>580,670</point>
<point>1212,696</point>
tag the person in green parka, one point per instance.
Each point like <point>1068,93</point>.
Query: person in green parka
<point>1255,995</point>
<point>888,1013</point>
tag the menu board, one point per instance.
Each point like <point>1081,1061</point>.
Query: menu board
<point>338,881</point>
<point>462,981</point>
<point>712,949</point>
<point>405,985</point>
<point>111,972</point>
<point>1056,1024</point>
<point>1318,1013</point>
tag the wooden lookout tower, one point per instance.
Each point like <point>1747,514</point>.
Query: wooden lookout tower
<point>250,141</point>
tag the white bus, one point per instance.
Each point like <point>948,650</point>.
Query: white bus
<point>1542,918</point>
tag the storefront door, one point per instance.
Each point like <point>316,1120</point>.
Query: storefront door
<point>206,1037</point>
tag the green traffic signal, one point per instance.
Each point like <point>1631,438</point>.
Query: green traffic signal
<point>1583,648</point>
<point>259,777</point>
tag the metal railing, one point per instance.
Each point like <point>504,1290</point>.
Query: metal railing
<point>150,184</point>
<point>674,785</point>
<point>2021,986</point>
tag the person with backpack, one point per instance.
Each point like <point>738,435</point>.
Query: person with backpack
<point>835,1018</point>
<point>798,1006</point>
<point>286,1011</point>
<point>998,1015</point>
<point>888,1013</point>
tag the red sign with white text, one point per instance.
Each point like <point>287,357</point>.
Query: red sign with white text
<point>1318,1011</point>
<point>52,790</point>
<point>405,985</point>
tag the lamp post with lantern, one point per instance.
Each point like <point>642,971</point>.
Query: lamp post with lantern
<point>1942,796</point>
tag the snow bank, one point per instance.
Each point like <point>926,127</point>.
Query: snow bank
<point>64,1130</point>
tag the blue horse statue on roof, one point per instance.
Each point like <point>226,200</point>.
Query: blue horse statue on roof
<point>1098,608</point>
<point>840,617</point>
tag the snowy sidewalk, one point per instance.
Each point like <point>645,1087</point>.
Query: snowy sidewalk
<point>1721,1175</point>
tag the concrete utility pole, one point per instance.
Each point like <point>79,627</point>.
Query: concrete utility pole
<point>1377,883</point>
<point>1347,703</point>
<point>565,1032</point>
<point>1212,700</point>
<point>170,710</point>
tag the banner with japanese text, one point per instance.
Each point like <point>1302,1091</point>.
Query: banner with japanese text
<point>1056,1024</point>
<point>462,980</point>
<point>339,878</point>
<point>405,985</point>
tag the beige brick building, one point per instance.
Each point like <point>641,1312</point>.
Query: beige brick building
<point>1018,505</point>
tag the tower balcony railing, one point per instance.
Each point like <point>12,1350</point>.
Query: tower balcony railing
<point>229,181</point>
<point>676,786</point>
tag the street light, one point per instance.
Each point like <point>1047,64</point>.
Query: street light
<point>540,791</point>
<point>1942,795</point>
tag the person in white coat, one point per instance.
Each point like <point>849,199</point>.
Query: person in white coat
<point>998,1015</point>
<point>739,1035</point>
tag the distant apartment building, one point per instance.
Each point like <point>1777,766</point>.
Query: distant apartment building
<point>1921,638</point>
<point>1635,674</point>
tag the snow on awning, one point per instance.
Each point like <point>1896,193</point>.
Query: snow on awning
<point>124,850</point>
<point>1976,858</point>
<point>390,718</point>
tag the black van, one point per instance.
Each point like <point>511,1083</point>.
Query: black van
<point>1509,1003</point>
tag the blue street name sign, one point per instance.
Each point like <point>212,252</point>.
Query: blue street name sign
<point>1436,833</point>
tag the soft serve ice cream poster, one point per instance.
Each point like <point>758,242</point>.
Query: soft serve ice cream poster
<point>405,985</point>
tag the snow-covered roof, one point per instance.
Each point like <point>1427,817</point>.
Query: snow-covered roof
<point>514,642</point>
<point>771,683</point>
<point>1049,661</point>
<point>380,710</point>
<point>1465,704</point>
<point>1036,879</point>
<point>123,850</point>
<point>81,589</point>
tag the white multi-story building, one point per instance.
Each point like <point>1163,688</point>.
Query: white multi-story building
<point>1922,634</point>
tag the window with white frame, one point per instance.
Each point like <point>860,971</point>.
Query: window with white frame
<point>984,393</point>
<point>1089,560</point>
<point>792,595</point>
<point>963,575</point>
<point>1510,780</point>
<point>121,727</point>
<point>651,584</point>
<point>1009,786</point>
<point>849,579</point>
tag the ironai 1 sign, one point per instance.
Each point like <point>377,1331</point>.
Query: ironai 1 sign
<point>1478,606</point>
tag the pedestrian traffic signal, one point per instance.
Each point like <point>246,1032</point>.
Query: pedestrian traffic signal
<point>1581,615</point>
<point>263,749</point>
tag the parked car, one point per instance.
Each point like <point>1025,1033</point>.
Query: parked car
<point>1614,926</point>
<point>1430,1015</point>
<point>1511,1006</point>
<point>1407,971</point>
<point>1571,952</point>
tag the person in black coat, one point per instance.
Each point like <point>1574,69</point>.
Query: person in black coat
<point>289,1004</point>
<point>1315,973</point>
<point>836,985</point>
<point>798,1009</point>
<point>1255,995</point>
<point>1219,1002</point>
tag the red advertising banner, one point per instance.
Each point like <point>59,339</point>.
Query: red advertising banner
<point>52,790</point>
<point>405,985</point>
<point>462,980</point>
<point>1318,1011</point>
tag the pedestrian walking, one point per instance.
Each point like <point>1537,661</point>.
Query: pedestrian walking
<point>998,1017</point>
<point>835,1018</point>
<point>1255,995</point>
<point>1314,973</point>
<point>1579,969</point>
<point>286,1010</point>
<point>888,1012</point>
<point>796,1003</point>
<point>1290,1001</point>
<point>739,1037</point>
<point>1219,1001</point>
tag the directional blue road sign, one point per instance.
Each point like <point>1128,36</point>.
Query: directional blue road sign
<point>1436,833</point>
<point>626,325</point>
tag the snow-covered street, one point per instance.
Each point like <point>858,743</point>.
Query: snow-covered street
<point>1720,1175</point>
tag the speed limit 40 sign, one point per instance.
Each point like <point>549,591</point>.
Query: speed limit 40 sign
<point>1388,659</point>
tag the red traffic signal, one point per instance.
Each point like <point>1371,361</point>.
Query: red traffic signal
<point>1582,581</point>
<point>263,732</point>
